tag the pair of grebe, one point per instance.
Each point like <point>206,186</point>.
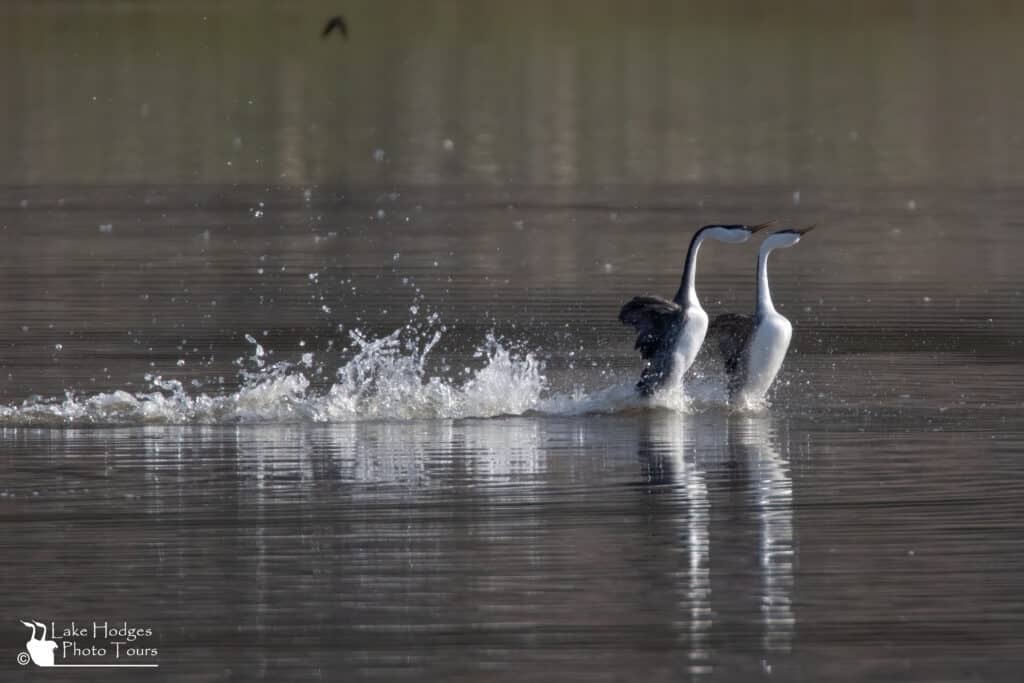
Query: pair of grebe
<point>670,333</point>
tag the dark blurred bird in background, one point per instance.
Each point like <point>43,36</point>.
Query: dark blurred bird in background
<point>336,23</point>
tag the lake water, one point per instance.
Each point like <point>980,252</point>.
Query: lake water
<point>309,358</point>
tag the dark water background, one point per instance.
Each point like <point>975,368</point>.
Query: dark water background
<point>173,173</point>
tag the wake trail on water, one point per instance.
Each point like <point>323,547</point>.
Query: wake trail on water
<point>385,378</point>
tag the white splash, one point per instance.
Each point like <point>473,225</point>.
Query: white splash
<point>385,378</point>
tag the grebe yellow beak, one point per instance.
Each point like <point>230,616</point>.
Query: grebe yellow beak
<point>762,226</point>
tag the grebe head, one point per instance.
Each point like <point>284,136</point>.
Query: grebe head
<point>785,238</point>
<point>733,234</point>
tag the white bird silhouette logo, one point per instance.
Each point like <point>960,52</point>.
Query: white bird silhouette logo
<point>40,650</point>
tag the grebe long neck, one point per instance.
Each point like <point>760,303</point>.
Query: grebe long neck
<point>764,295</point>
<point>687,294</point>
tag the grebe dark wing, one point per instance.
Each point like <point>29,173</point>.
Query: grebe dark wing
<point>658,323</point>
<point>732,332</point>
<point>654,319</point>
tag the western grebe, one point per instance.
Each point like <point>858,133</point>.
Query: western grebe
<point>753,347</point>
<point>669,333</point>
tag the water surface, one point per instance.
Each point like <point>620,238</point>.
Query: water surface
<point>316,395</point>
